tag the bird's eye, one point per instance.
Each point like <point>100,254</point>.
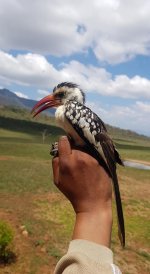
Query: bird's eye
<point>61,94</point>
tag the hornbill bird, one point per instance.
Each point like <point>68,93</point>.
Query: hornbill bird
<point>85,128</point>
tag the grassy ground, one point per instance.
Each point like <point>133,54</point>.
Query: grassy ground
<point>30,202</point>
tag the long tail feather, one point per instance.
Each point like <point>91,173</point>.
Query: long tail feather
<point>112,168</point>
<point>121,227</point>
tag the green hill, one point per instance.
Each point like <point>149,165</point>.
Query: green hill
<point>20,119</point>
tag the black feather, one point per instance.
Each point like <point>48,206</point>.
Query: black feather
<point>101,147</point>
<point>107,144</point>
<point>70,85</point>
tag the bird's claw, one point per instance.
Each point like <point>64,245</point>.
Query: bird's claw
<point>54,149</point>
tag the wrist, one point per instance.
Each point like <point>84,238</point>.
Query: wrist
<point>94,225</point>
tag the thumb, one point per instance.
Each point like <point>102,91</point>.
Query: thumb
<point>64,147</point>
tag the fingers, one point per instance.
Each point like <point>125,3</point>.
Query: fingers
<point>64,150</point>
<point>55,166</point>
<point>64,147</point>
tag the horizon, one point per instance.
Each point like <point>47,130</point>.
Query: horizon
<point>127,129</point>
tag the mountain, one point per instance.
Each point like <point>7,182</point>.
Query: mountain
<point>8,98</point>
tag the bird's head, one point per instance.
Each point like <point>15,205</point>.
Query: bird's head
<point>61,94</point>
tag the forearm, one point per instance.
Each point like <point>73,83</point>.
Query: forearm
<point>94,226</point>
<point>89,252</point>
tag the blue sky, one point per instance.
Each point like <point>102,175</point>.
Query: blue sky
<point>101,45</point>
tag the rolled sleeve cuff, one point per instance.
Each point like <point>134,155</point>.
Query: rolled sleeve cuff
<point>95,251</point>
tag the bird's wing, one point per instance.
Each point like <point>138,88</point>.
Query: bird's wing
<point>93,131</point>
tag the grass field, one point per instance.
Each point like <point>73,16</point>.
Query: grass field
<point>30,202</point>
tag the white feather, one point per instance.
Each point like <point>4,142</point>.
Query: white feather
<point>63,123</point>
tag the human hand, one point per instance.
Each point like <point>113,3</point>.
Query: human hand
<point>88,187</point>
<point>81,179</point>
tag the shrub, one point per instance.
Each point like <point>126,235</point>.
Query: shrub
<point>6,237</point>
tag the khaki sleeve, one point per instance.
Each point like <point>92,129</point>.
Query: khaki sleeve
<point>87,257</point>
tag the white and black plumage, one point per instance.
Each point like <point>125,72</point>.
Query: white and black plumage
<point>85,128</point>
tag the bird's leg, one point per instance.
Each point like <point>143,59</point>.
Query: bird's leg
<point>54,149</point>
<point>84,148</point>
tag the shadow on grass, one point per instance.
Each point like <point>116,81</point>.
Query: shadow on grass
<point>7,259</point>
<point>133,147</point>
<point>28,126</point>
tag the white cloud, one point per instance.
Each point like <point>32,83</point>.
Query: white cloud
<point>34,70</point>
<point>49,27</point>
<point>27,69</point>
<point>144,107</point>
<point>134,117</point>
<point>43,92</point>
<point>116,30</point>
<point>20,94</point>
<point>99,80</point>
<point>125,87</point>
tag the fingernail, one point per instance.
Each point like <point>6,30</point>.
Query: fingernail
<point>64,137</point>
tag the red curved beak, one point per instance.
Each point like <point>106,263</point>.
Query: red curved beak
<point>47,102</point>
